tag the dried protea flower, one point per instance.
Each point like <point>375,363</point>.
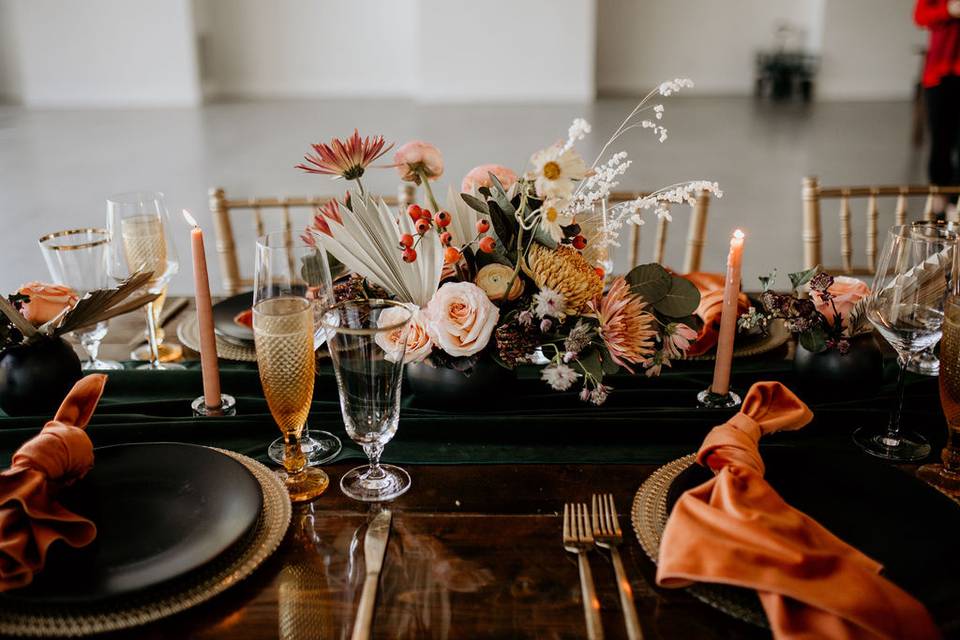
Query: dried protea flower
<point>627,328</point>
<point>345,158</point>
<point>566,271</point>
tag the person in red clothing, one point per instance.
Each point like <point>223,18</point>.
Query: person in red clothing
<point>941,82</point>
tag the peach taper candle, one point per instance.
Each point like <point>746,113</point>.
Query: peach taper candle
<point>208,339</point>
<point>728,319</point>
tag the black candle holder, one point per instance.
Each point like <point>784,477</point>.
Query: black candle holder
<point>228,407</point>
<point>707,399</point>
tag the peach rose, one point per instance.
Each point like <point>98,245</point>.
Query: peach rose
<point>460,318</point>
<point>47,301</point>
<point>418,156</point>
<point>846,291</point>
<point>480,177</point>
<point>419,344</point>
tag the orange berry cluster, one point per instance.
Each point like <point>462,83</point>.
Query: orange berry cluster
<point>424,220</point>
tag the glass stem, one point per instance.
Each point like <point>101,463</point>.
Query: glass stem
<point>91,345</point>
<point>152,341</point>
<point>373,452</point>
<point>892,437</point>
<point>293,459</point>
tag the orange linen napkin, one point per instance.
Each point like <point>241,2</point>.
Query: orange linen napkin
<point>710,309</point>
<point>30,517</point>
<point>735,529</point>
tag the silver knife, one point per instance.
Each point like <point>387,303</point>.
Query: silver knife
<point>374,548</point>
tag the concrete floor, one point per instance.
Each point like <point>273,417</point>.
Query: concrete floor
<point>57,167</point>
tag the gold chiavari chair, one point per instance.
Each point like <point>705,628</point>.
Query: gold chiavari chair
<point>696,232</point>
<point>813,193</point>
<point>221,207</point>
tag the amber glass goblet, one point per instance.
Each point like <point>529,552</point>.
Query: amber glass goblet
<point>946,476</point>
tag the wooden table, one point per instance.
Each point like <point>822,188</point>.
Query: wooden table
<point>475,552</point>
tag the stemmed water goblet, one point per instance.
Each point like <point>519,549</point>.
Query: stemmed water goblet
<point>906,307</point>
<point>77,258</point>
<point>286,266</point>
<point>140,240</point>
<point>367,341</point>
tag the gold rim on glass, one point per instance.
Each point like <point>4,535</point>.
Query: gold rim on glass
<point>366,332</point>
<point>72,232</point>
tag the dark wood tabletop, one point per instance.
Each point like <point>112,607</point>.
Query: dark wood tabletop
<point>475,552</point>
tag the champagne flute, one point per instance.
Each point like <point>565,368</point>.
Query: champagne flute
<point>283,330</point>
<point>367,341</point>
<point>906,307</point>
<point>140,240</point>
<point>288,266</point>
<point>77,258</point>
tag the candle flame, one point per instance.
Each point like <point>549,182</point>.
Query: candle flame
<point>190,219</point>
<point>738,234</point>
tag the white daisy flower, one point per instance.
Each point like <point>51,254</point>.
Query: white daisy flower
<point>552,220</point>
<point>556,170</point>
<point>560,377</point>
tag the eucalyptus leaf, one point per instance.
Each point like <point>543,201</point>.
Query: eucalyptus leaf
<point>609,366</point>
<point>651,281</point>
<point>681,300</point>
<point>500,195</point>
<point>801,278</point>
<point>475,203</point>
<point>814,340</point>
<point>693,321</point>
<point>542,236</point>
<point>505,228</point>
<point>592,364</point>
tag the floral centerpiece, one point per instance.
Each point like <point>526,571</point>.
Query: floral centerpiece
<point>497,270</point>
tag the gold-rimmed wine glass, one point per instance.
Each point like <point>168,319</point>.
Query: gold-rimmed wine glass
<point>77,258</point>
<point>140,240</point>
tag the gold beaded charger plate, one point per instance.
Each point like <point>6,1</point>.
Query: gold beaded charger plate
<point>747,346</point>
<point>888,514</point>
<point>188,331</point>
<point>36,619</point>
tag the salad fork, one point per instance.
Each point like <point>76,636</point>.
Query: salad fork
<point>578,539</point>
<point>607,534</point>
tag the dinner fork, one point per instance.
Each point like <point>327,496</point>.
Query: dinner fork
<point>607,534</point>
<point>578,539</point>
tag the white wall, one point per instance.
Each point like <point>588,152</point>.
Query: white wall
<point>105,52</point>
<point>867,46</point>
<point>869,50</point>
<point>10,89</point>
<point>505,50</point>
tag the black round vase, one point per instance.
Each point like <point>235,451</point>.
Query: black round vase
<point>451,389</point>
<point>829,375</point>
<point>35,377</point>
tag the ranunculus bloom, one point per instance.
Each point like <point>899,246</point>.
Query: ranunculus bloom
<point>419,344</point>
<point>460,318</point>
<point>46,301</point>
<point>846,292</point>
<point>480,177</point>
<point>418,156</point>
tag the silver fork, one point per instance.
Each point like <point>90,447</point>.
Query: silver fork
<point>578,539</point>
<point>607,534</point>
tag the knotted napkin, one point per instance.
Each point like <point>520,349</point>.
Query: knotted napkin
<point>710,309</point>
<point>735,529</point>
<point>31,519</point>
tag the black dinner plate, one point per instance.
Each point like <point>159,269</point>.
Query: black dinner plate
<point>162,510</point>
<point>889,515</point>
<point>226,310</point>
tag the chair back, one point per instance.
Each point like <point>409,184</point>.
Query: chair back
<point>812,195</point>
<point>696,232</point>
<point>258,209</point>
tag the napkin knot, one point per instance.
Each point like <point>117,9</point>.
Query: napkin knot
<point>60,452</point>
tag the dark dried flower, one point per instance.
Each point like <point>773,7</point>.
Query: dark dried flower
<point>821,283</point>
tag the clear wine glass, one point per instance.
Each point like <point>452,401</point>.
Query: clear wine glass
<point>906,307</point>
<point>367,340</point>
<point>288,266</point>
<point>927,363</point>
<point>140,240</point>
<point>77,258</point>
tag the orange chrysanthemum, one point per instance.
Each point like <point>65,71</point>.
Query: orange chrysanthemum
<point>627,329</point>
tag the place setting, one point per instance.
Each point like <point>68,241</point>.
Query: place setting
<point>465,406</point>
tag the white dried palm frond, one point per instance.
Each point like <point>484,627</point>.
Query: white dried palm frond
<point>367,242</point>
<point>463,224</point>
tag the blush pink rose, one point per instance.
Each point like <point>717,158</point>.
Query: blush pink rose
<point>47,301</point>
<point>461,318</point>
<point>846,291</point>
<point>419,344</point>
<point>480,177</point>
<point>418,156</point>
